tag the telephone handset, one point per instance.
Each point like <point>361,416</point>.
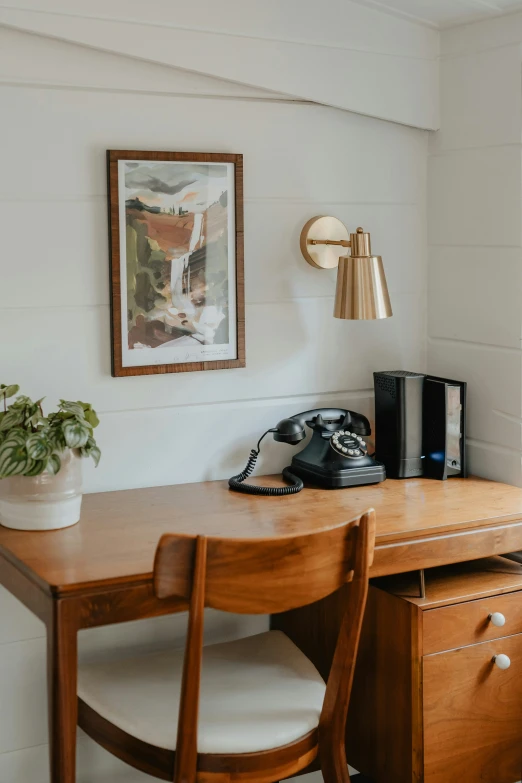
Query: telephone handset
<point>337,455</point>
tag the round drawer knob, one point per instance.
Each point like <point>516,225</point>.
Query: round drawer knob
<point>502,661</point>
<point>498,619</point>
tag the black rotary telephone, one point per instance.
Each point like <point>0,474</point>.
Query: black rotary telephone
<point>337,455</point>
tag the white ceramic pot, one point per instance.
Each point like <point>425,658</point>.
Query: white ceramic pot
<point>43,502</point>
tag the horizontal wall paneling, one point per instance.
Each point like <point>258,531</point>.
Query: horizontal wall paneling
<point>393,87</point>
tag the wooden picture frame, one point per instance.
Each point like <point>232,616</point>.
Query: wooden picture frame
<point>177,275</point>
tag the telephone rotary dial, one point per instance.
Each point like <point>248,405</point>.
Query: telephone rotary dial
<point>348,444</point>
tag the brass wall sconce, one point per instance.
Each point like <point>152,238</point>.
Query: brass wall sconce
<point>361,292</point>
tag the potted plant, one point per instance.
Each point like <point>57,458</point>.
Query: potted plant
<point>40,461</point>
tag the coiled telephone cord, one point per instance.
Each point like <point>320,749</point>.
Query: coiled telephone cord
<point>237,482</point>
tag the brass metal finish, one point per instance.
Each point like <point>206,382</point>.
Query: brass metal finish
<point>320,238</point>
<point>360,243</point>
<point>361,292</point>
<point>341,242</point>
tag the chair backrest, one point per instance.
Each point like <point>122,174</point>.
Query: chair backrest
<point>259,576</point>
<point>263,576</point>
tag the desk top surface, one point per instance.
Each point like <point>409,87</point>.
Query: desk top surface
<point>116,538</point>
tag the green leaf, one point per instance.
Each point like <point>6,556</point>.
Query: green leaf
<point>73,407</point>
<point>31,415</point>
<point>96,455</point>
<point>16,435</point>
<point>91,449</point>
<point>54,464</point>
<point>8,391</point>
<point>76,433</point>
<point>92,418</point>
<point>38,446</point>
<point>14,459</point>
<point>90,413</point>
<point>36,420</point>
<point>57,438</point>
<point>36,466</point>
<point>21,401</point>
<point>12,418</point>
<point>59,416</point>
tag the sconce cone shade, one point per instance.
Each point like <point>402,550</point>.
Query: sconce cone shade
<point>362,292</point>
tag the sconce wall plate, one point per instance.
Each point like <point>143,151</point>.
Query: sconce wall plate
<point>361,291</point>
<point>324,229</point>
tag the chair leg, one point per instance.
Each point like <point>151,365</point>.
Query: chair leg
<point>334,767</point>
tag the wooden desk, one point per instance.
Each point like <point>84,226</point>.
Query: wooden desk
<point>100,571</point>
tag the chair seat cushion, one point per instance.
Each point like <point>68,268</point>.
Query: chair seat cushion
<point>257,693</point>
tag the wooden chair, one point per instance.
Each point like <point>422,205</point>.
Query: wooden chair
<point>265,713</point>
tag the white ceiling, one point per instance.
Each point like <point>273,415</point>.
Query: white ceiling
<point>445,13</point>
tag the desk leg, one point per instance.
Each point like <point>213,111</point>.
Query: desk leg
<point>62,663</point>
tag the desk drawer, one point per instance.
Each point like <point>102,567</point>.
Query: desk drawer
<point>473,722</point>
<point>468,623</point>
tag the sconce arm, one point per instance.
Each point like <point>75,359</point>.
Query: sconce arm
<point>341,242</point>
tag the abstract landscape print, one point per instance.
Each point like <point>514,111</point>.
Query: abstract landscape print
<point>177,247</point>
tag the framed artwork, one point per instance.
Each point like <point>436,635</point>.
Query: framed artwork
<point>176,248</point>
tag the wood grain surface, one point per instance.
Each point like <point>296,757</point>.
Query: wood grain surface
<point>420,522</point>
<point>384,729</point>
<point>469,623</point>
<point>456,583</point>
<point>261,576</point>
<point>473,724</point>
<point>447,717</point>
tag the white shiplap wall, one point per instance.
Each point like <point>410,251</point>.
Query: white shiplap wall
<point>62,106</point>
<point>475,255</point>
<point>342,55</point>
